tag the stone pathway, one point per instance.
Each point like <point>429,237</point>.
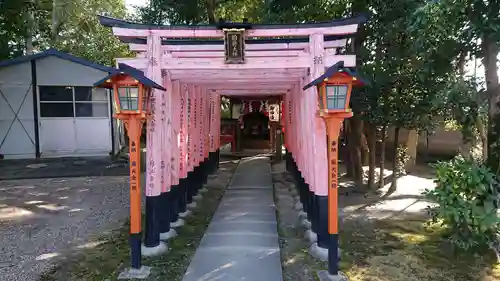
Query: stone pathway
<point>241,242</point>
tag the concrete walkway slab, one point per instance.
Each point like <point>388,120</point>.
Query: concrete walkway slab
<point>241,242</point>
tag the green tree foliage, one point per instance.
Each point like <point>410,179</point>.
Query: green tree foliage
<point>467,203</point>
<point>199,11</point>
<point>452,30</point>
<point>71,26</point>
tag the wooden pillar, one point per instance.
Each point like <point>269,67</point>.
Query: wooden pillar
<point>295,125</point>
<point>217,126</point>
<point>211,130</point>
<point>174,138</point>
<point>177,194</point>
<point>195,183</point>
<point>278,142</point>
<point>167,211</point>
<point>183,147</point>
<point>134,125</point>
<point>308,126</point>
<point>213,123</point>
<point>155,129</point>
<point>205,129</point>
<point>196,123</point>
<point>199,143</point>
<point>284,120</point>
<point>206,118</point>
<point>288,121</point>
<point>201,137</point>
<point>183,131</point>
<point>239,146</point>
<point>191,128</point>
<point>320,218</point>
<point>326,247</point>
<point>156,152</point>
<point>300,131</point>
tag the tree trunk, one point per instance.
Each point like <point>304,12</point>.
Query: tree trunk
<point>365,150</point>
<point>211,11</point>
<point>56,22</point>
<point>483,137</point>
<point>383,132</point>
<point>348,156</point>
<point>355,149</point>
<point>395,164</point>
<point>29,32</point>
<point>372,145</point>
<point>490,49</point>
<point>465,149</point>
<point>412,145</point>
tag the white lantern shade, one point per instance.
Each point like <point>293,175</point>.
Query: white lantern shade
<point>336,97</point>
<point>128,98</point>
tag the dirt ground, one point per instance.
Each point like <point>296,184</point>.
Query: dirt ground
<point>41,219</point>
<point>109,254</point>
<point>297,264</point>
<point>384,237</point>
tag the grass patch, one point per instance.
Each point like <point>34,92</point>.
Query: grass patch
<point>408,251</point>
<point>297,264</point>
<point>105,261</point>
<point>382,250</point>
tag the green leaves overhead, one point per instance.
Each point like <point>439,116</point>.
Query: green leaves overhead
<point>70,26</point>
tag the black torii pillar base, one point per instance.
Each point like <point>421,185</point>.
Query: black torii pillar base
<point>309,200</point>
<point>316,207</point>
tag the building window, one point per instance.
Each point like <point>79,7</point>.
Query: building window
<point>48,109</point>
<point>56,94</point>
<point>66,101</point>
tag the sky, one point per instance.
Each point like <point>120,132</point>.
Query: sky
<point>129,3</point>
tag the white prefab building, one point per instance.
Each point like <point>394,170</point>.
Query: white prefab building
<point>49,108</point>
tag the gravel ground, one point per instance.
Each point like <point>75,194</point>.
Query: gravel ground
<point>47,219</point>
<point>297,264</point>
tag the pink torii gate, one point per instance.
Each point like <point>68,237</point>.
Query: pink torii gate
<point>183,137</point>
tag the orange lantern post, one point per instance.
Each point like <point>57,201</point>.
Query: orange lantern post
<point>334,93</point>
<point>132,93</point>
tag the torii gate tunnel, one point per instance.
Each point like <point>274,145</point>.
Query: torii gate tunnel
<point>197,64</point>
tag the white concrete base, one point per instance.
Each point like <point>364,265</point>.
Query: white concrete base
<point>203,190</point>
<point>154,251</point>
<point>168,235</point>
<point>311,236</point>
<point>318,252</point>
<point>323,275</point>
<point>306,223</point>
<point>178,223</point>
<point>198,197</point>
<point>298,206</point>
<point>192,205</point>
<point>185,214</point>
<point>134,273</point>
<point>302,214</point>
